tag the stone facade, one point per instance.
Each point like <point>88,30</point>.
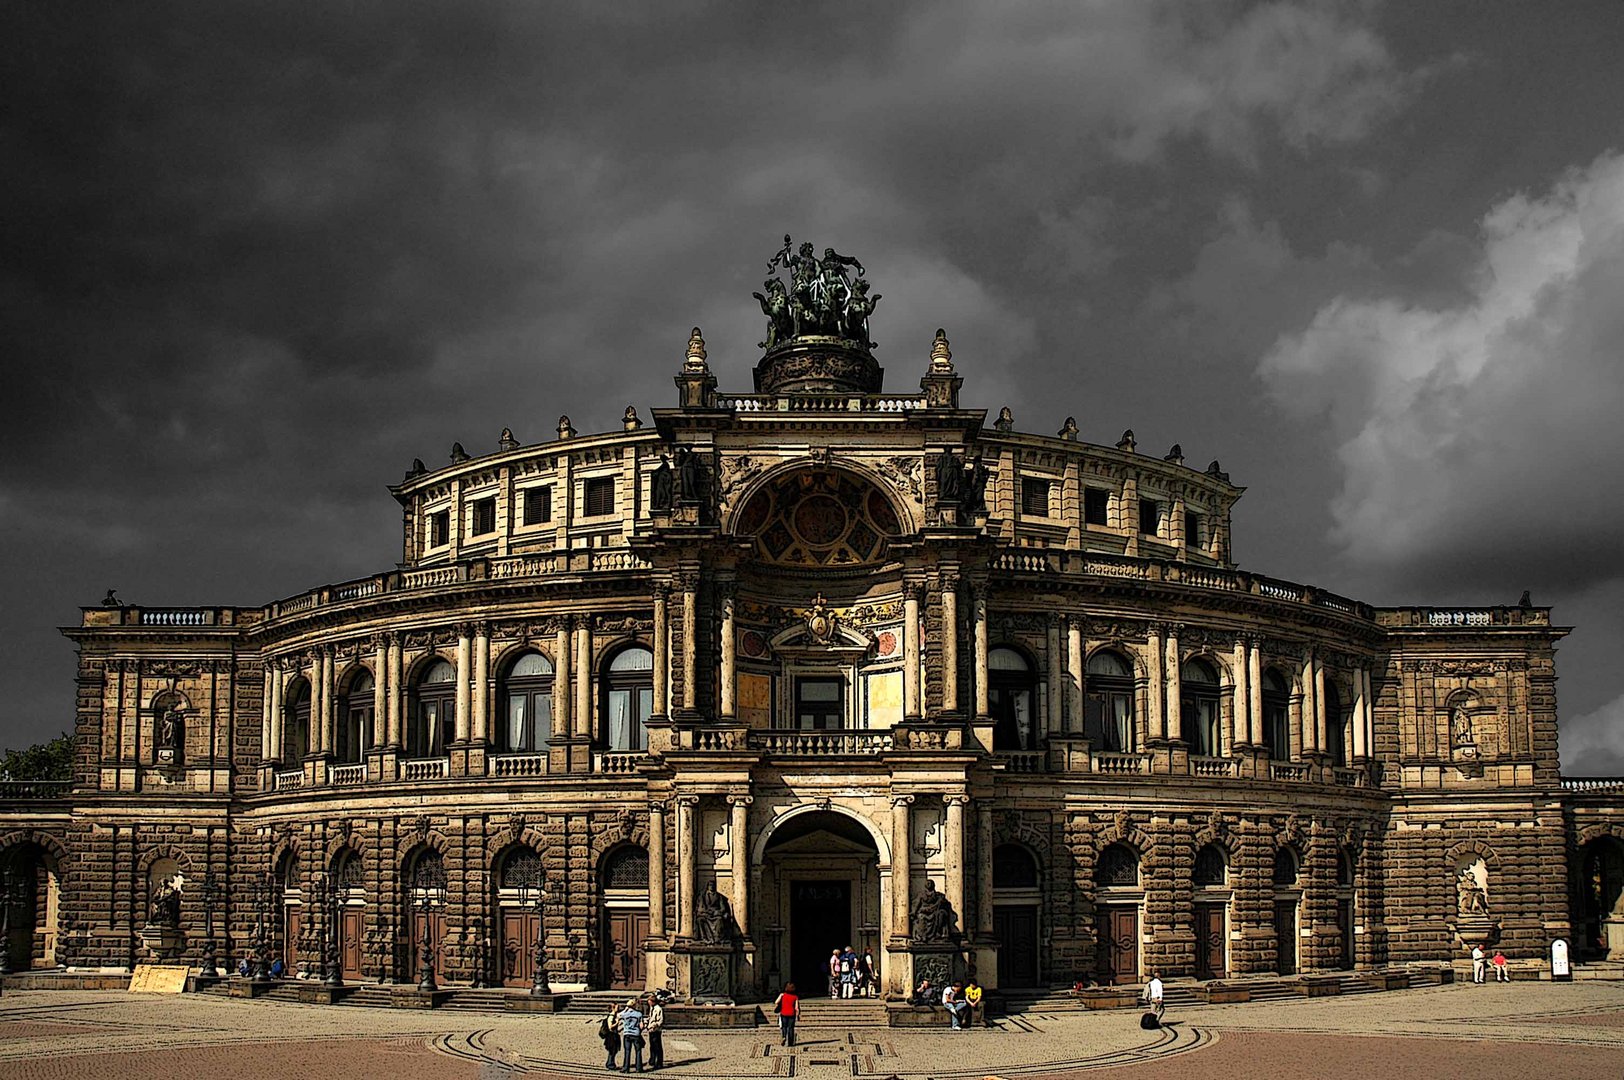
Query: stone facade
<point>775,643</point>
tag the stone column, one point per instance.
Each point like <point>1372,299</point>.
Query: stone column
<point>1157,652</point>
<point>465,674</point>
<point>690,642</point>
<point>953,853</point>
<point>1052,669</point>
<point>267,713</point>
<point>583,678</point>
<point>1254,697</point>
<point>1238,732</point>
<point>328,712</point>
<point>739,850</point>
<point>687,863</point>
<point>380,692</point>
<point>1319,706</point>
<point>982,668</point>
<point>656,869</point>
<point>1074,673</point>
<point>662,653</point>
<point>563,660</point>
<point>730,667</point>
<point>1175,687</point>
<point>1360,704</point>
<point>397,699</point>
<point>1310,707</point>
<point>983,869</point>
<point>950,643</point>
<point>1370,712</point>
<point>482,684</point>
<point>910,651</point>
<point>901,863</point>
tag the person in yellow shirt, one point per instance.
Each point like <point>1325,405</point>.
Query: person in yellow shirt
<point>972,997</point>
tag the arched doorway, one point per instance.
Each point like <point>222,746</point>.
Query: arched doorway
<point>1211,912</point>
<point>1600,921</point>
<point>1119,895</point>
<point>623,903</point>
<point>1347,869</point>
<point>424,897</point>
<point>1017,899</point>
<point>29,875</point>
<point>351,903</point>
<point>1287,894</point>
<point>518,889</point>
<point>290,907</point>
<point>820,890</point>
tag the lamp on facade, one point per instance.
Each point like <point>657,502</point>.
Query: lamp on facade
<point>262,937</point>
<point>538,977</point>
<point>428,894</point>
<point>330,896</point>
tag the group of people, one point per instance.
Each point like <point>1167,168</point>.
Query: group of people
<point>961,1000</point>
<point>851,975</point>
<point>624,1030</point>
<point>1481,962</point>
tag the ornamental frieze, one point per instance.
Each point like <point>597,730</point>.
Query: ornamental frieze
<point>620,624</point>
<point>739,471</point>
<point>906,475</point>
<point>1117,630</point>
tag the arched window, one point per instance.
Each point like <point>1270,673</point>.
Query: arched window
<point>1198,708</point>
<point>1344,868</point>
<point>347,875</point>
<point>626,869</point>
<point>1010,692</point>
<point>296,723</point>
<point>527,699</point>
<point>355,718</point>
<point>433,711</point>
<point>1013,868</point>
<point>628,699</point>
<point>521,869</point>
<point>1336,740</point>
<point>1285,868</point>
<point>1211,868</point>
<point>1118,866</point>
<point>1108,715</point>
<point>1277,715</point>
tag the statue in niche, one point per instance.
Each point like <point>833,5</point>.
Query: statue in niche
<point>662,486</point>
<point>688,474</point>
<point>171,734</point>
<point>165,908</point>
<point>713,919</point>
<point>949,477</point>
<point>1470,896</point>
<point>931,918</point>
<point>1460,727</point>
<point>974,499</point>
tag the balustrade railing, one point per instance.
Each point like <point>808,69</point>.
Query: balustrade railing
<point>620,764</point>
<point>345,775</point>
<point>821,743</point>
<point>1593,783</point>
<point>1282,770</point>
<point>34,789</point>
<point>428,579</point>
<point>355,590</point>
<point>1211,766</point>
<point>1349,777</point>
<point>718,739</point>
<point>177,617</point>
<point>519,765</point>
<point>1022,761</point>
<point>426,769</point>
<point>289,780</point>
<point>1119,764</point>
<point>819,403</point>
<point>618,560</point>
<point>524,566</point>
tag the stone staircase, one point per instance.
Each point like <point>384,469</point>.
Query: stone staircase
<point>842,1012</point>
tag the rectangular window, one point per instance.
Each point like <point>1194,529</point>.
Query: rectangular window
<point>1150,517</point>
<point>819,704</point>
<point>440,529</point>
<point>1034,496</point>
<point>1192,529</point>
<point>538,505</point>
<point>600,496</point>
<point>484,517</point>
<point>1096,506</point>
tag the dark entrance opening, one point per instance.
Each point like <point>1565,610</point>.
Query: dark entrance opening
<point>1016,928</point>
<point>820,922</point>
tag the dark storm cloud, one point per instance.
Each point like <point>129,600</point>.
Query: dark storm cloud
<point>254,258</point>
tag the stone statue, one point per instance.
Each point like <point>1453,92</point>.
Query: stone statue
<point>661,486</point>
<point>931,918</point>
<point>111,599</point>
<point>974,499</point>
<point>166,904</point>
<point>1460,727</point>
<point>1470,899</point>
<point>713,919</point>
<point>775,305</point>
<point>171,734</point>
<point>949,477</point>
<point>688,474</point>
<point>858,309</point>
<point>821,297</point>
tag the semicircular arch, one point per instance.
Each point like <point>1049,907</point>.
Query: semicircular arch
<point>758,852</point>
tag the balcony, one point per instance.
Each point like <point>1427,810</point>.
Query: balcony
<point>1112,763</point>
<point>1288,772</point>
<point>425,769</point>
<point>343,775</point>
<point>288,780</point>
<point>1350,777</point>
<point>820,743</point>
<point>1216,767</point>
<point>619,763</point>
<point>1022,761</point>
<point>518,766</point>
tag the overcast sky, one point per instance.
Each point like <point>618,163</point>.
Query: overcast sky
<point>255,258</point>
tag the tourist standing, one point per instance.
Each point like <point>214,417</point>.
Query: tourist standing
<point>848,972</point>
<point>609,1032</point>
<point>788,1007</point>
<point>631,1036</point>
<point>1477,964</point>
<point>834,973</point>
<point>1153,995</point>
<point>654,1029</point>
<point>869,975</point>
<point>1501,967</point>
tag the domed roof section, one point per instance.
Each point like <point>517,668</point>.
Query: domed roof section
<point>817,324</point>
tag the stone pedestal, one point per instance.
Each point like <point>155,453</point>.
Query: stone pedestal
<point>941,964</point>
<point>706,974</point>
<point>163,942</point>
<point>1479,930</point>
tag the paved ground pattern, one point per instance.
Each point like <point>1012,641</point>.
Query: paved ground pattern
<point>1573,1031</point>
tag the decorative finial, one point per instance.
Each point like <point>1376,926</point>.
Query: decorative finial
<point>1526,601</point>
<point>1175,455</point>
<point>417,469</point>
<point>1216,473</point>
<point>1126,442</point>
<point>630,421</point>
<point>507,441</point>
<point>696,353</point>
<point>1068,430</point>
<point>565,428</point>
<point>458,454</point>
<point>941,355</point>
<point>1005,421</point>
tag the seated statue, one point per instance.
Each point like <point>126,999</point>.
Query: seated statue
<point>713,918</point>
<point>931,917</point>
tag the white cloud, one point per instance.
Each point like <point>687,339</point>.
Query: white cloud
<point>1487,431</point>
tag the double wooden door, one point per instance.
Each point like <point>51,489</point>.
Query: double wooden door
<point>1285,937</point>
<point>1211,941</point>
<point>292,928</point>
<point>518,946</point>
<point>624,931</point>
<point>352,926</point>
<point>1118,931</point>
<point>1016,928</point>
<point>432,922</point>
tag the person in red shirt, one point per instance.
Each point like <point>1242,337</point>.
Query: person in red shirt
<point>1501,964</point>
<point>788,1007</point>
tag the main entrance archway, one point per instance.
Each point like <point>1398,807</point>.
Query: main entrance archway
<point>820,891</point>
<point>30,939</point>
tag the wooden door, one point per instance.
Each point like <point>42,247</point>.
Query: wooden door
<point>434,922</point>
<point>623,957</point>
<point>1344,926</point>
<point>1211,952</point>
<point>292,927</point>
<point>352,933</point>
<point>518,947</point>
<point>1285,937</point>
<point>1118,929</point>
<point>1016,928</point>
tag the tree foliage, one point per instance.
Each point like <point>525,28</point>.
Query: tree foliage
<point>51,760</point>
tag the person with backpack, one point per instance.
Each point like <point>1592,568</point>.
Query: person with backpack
<point>868,976</point>
<point>787,1006</point>
<point>609,1032</point>
<point>654,1031</point>
<point>848,972</point>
